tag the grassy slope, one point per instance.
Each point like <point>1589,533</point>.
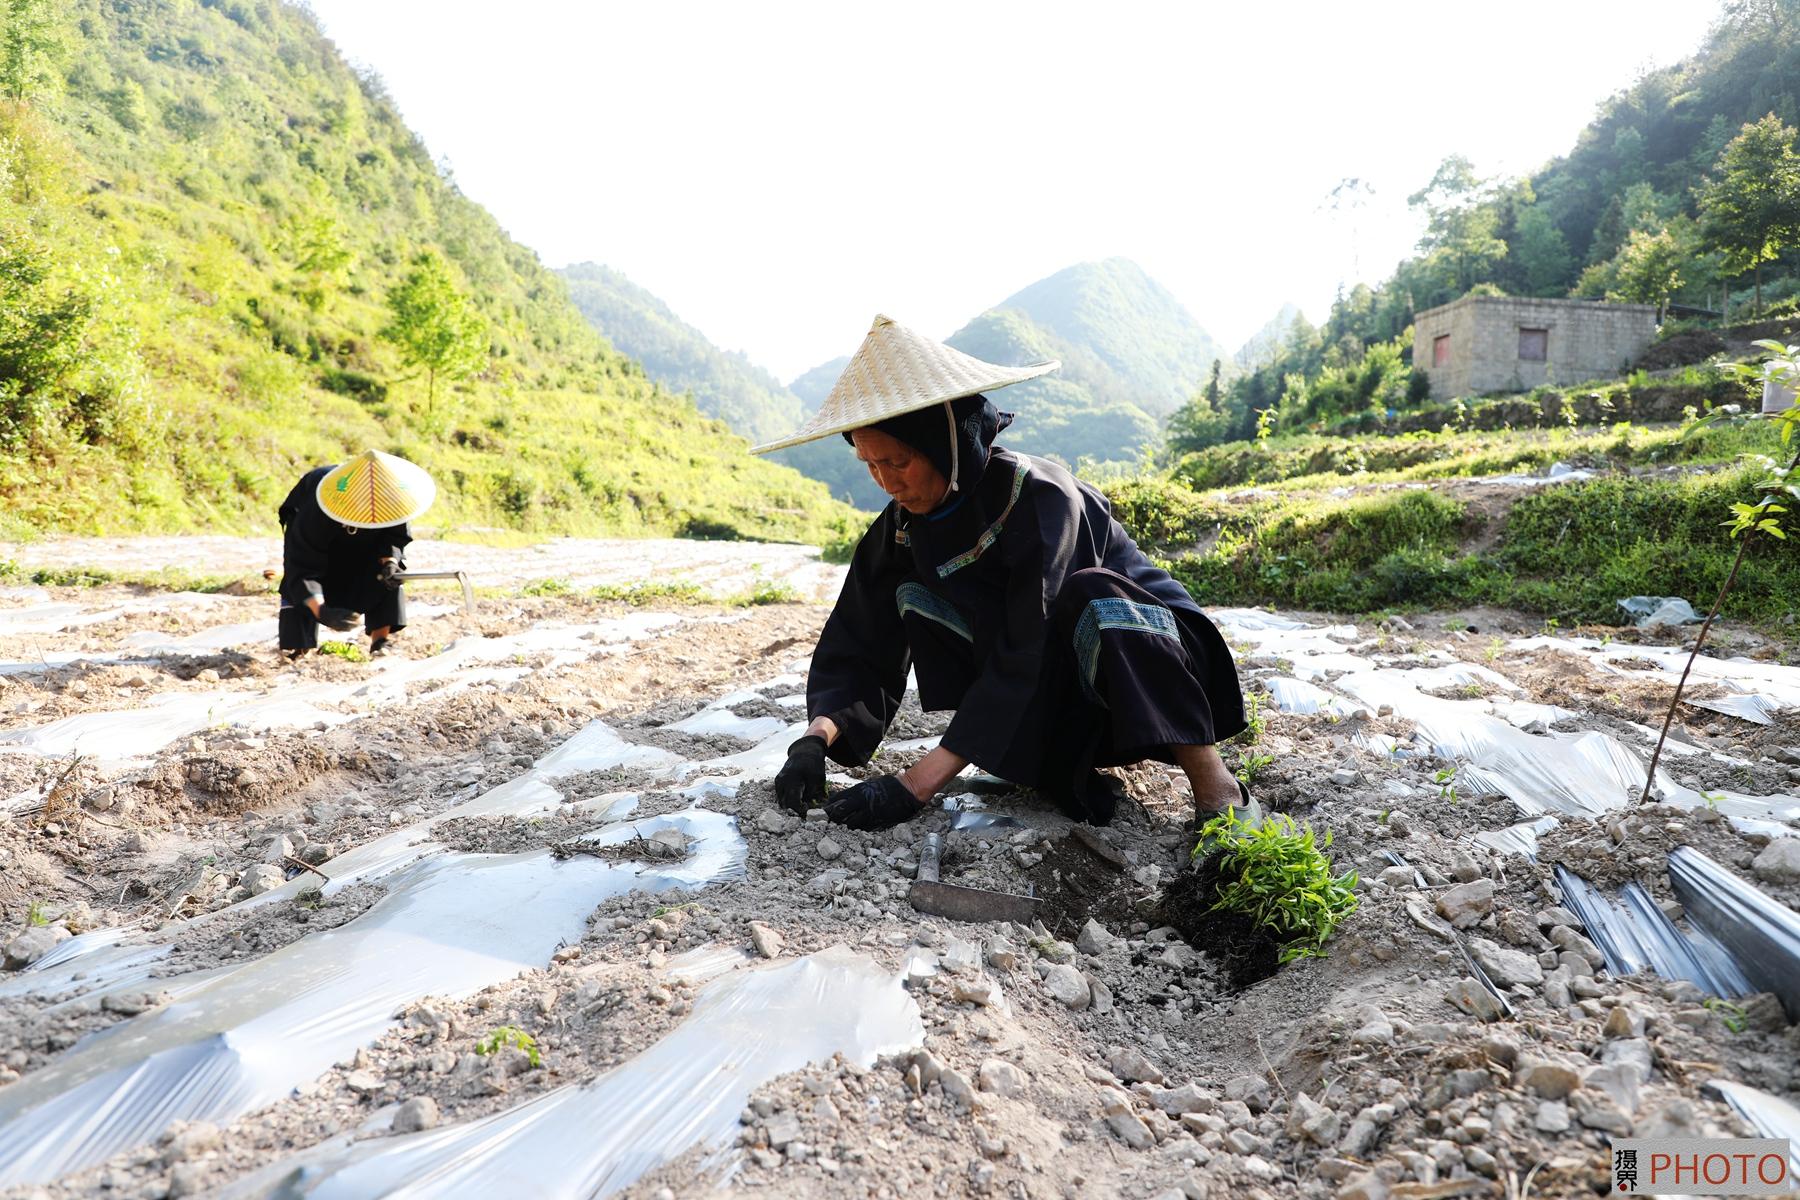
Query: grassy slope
<point>1571,551</point>
<point>185,157</point>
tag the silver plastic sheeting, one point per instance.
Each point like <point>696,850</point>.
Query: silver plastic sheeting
<point>1769,1115</point>
<point>1762,934</point>
<point>1517,839</point>
<point>450,926</point>
<point>683,1092</point>
<point>1635,935</point>
<point>1652,612</point>
<point>1297,696</point>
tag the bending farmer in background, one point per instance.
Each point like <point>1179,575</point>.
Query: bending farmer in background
<point>344,530</point>
<point>1005,585</point>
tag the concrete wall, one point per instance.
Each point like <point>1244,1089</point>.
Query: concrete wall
<point>1587,340</point>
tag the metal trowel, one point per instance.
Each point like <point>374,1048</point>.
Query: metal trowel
<point>930,894</point>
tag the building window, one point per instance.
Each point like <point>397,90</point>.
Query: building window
<point>1534,345</point>
<point>1440,350</point>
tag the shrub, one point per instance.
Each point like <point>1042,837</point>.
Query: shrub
<point>1279,878</point>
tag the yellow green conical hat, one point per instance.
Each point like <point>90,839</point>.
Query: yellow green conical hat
<point>375,489</point>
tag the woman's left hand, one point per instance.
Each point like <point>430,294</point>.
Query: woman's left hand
<point>876,804</point>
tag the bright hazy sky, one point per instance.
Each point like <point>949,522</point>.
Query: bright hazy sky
<point>779,172</point>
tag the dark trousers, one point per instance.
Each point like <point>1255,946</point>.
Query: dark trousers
<point>1125,679</point>
<point>379,604</point>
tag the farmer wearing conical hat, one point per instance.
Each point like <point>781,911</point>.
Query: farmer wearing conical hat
<point>1006,586</point>
<point>344,532</point>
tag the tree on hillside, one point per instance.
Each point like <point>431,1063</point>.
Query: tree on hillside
<point>434,326</point>
<point>1201,422</point>
<point>1649,268</point>
<point>1750,207</point>
<point>1460,231</point>
<point>1538,252</point>
<point>31,45</point>
<point>315,242</point>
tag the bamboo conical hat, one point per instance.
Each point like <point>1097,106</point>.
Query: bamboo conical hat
<point>375,489</point>
<point>898,371</point>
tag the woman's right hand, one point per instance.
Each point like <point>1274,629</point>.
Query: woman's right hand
<point>800,784</point>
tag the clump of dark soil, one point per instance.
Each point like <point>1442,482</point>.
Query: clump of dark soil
<point>1244,949</point>
<point>1077,884</point>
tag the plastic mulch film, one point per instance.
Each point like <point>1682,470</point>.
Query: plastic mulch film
<point>685,1091</point>
<point>1517,839</point>
<point>1760,933</point>
<point>1769,1115</point>
<point>1635,935</point>
<point>115,738</point>
<point>450,925</point>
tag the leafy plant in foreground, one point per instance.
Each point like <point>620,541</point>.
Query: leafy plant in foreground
<point>1276,873</point>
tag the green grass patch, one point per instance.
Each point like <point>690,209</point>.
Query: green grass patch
<point>1569,551</point>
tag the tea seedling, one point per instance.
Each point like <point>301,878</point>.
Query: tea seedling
<point>1446,781</point>
<point>1254,720</point>
<point>1731,1014</point>
<point>1252,765</point>
<point>510,1035</point>
<point>1279,878</point>
<point>348,651</point>
<point>1494,646</point>
<point>34,916</point>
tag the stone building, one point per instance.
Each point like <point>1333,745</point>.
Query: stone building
<point>1514,343</point>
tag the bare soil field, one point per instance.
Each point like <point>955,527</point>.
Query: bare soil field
<point>511,912</point>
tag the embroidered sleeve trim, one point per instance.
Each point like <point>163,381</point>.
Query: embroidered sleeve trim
<point>991,534</point>
<point>912,597</point>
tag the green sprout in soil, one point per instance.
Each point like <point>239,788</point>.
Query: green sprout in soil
<point>1254,720</point>
<point>1252,765</point>
<point>1726,1011</point>
<point>348,651</point>
<point>1279,878</point>
<point>34,916</point>
<point>1446,781</point>
<point>509,1035</point>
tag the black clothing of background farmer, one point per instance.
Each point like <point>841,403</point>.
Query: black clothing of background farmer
<point>1022,604</point>
<point>325,559</point>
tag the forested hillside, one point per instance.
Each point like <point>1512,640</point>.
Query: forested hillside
<point>1130,355</point>
<point>1685,188</point>
<point>224,257</point>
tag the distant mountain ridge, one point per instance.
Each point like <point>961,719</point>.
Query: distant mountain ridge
<point>1130,355</point>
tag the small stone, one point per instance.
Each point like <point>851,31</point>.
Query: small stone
<point>264,877</point>
<point>829,849</point>
<point>1002,955</point>
<point>768,943</point>
<point>782,1129</point>
<point>1466,903</point>
<point>1343,777</point>
<point>1375,1028</point>
<point>1505,967</point>
<point>1067,985</point>
<point>1477,1001</point>
<point>1130,1130</point>
<point>777,821</point>
<point>1568,940</point>
<point>1094,938</point>
<point>1548,1078</point>
<point>27,947</point>
<point>415,1115</point>
<point>960,957</point>
<point>957,1088</point>
<point>1552,1117</point>
<point>1367,1186</point>
<point>314,853</point>
<point>1000,1077</point>
<point>980,990</point>
<point>1779,861</point>
<point>1596,1110</point>
<point>187,1179</point>
<point>1130,1065</point>
<point>364,1083</point>
<point>1251,1090</point>
<point>1624,1021</point>
<point>1188,1098</point>
<point>1464,868</point>
<point>277,848</point>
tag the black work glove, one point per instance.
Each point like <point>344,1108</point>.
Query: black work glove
<point>389,574</point>
<point>800,784</point>
<point>877,804</point>
<point>340,619</point>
